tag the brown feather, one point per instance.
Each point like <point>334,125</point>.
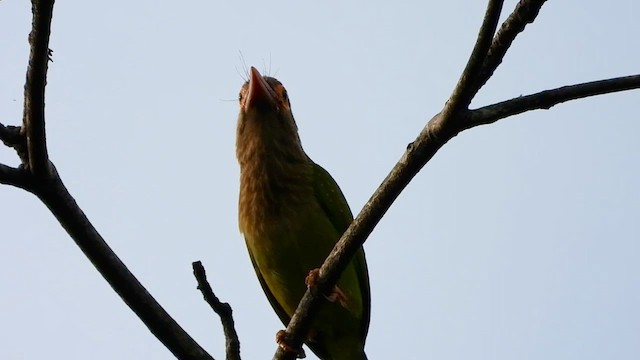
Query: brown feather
<point>275,172</point>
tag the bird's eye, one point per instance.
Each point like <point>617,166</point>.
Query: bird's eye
<point>281,91</point>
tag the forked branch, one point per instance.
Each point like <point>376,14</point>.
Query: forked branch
<point>38,175</point>
<point>454,117</point>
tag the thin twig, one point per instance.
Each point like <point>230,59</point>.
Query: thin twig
<point>224,311</point>
<point>14,176</point>
<point>10,135</point>
<point>13,137</point>
<point>524,13</point>
<point>548,98</point>
<point>33,116</point>
<point>464,92</point>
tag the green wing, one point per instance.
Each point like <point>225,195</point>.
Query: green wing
<point>335,206</point>
<point>282,315</point>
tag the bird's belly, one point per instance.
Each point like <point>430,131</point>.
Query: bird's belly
<point>287,249</point>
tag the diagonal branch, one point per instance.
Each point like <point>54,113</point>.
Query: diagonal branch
<point>56,197</point>
<point>431,139</point>
<point>417,155</point>
<point>548,98</point>
<point>33,116</point>
<point>438,131</point>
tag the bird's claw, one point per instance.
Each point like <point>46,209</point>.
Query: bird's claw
<point>336,294</point>
<point>282,343</point>
<point>312,279</point>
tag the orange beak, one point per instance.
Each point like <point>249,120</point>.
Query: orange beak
<point>260,94</point>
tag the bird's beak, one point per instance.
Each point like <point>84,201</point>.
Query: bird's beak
<point>260,93</point>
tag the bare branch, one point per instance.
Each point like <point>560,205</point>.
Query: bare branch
<point>33,116</point>
<point>548,98</point>
<point>416,156</point>
<point>39,176</point>
<point>55,196</point>
<point>10,135</point>
<point>13,137</point>
<point>464,92</point>
<point>224,311</point>
<point>432,137</point>
<point>14,176</point>
<point>525,13</point>
<point>437,132</point>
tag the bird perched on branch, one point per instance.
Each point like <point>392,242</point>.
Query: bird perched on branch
<point>292,213</point>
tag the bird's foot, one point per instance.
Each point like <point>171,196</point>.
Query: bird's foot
<point>312,279</point>
<point>336,294</point>
<point>282,343</point>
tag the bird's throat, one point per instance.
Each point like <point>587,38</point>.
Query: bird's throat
<point>273,182</point>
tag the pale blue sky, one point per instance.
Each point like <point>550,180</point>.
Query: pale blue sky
<point>519,240</point>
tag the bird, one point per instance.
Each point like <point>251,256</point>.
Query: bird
<point>291,213</point>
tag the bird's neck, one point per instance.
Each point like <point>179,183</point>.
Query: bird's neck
<point>275,179</point>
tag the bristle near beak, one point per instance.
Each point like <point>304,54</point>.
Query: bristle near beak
<point>259,93</point>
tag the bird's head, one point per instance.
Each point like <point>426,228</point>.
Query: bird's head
<point>265,123</point>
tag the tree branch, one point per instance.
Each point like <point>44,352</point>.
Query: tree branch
<point>224,311</point>
<point>39,176</point>
<point>464,92</point>
<point>417,155</point>
<point>14,176</point>
<point>525,13</point>
<point>55,196</point>
<point>437,132</point>
<point>33,116</point>
<point>548,98</point>
<point>12,137</point>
